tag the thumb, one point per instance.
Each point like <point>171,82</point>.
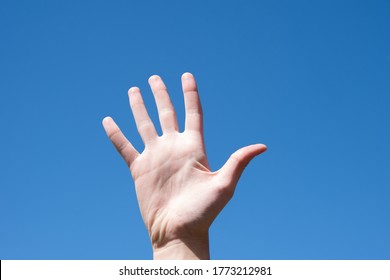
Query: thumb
<point>235,165</point>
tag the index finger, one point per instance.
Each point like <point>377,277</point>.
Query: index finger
<point>194,114</point>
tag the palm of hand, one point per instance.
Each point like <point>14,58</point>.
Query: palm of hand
<point>179,197</point>
<point>177,193</point>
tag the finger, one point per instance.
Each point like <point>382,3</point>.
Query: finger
<point>166,111</point>
<point>124,147</point>
<point>194,115</point>
<point>235,165</point>
<point>144,125</point>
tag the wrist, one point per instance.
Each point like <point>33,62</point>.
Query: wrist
<point>183,249</point>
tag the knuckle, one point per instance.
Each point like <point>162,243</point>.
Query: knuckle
<point>113,134</point>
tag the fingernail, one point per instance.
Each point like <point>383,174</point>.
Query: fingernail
<point>154,78</point>
<point>187,75</point>
<point>133,89</point>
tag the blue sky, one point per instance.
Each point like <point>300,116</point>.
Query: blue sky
<point>310,79</point>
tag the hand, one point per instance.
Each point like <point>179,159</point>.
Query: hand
<point>178,195</point>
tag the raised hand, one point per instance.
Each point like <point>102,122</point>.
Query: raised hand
<point>178,195</point>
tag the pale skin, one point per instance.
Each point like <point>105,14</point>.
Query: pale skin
<point>178,195</point>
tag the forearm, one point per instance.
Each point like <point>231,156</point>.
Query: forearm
<point>183,249</point>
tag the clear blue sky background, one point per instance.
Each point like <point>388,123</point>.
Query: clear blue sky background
<point>311,79</point>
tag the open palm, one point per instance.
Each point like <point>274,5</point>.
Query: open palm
<point>178,195</point>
